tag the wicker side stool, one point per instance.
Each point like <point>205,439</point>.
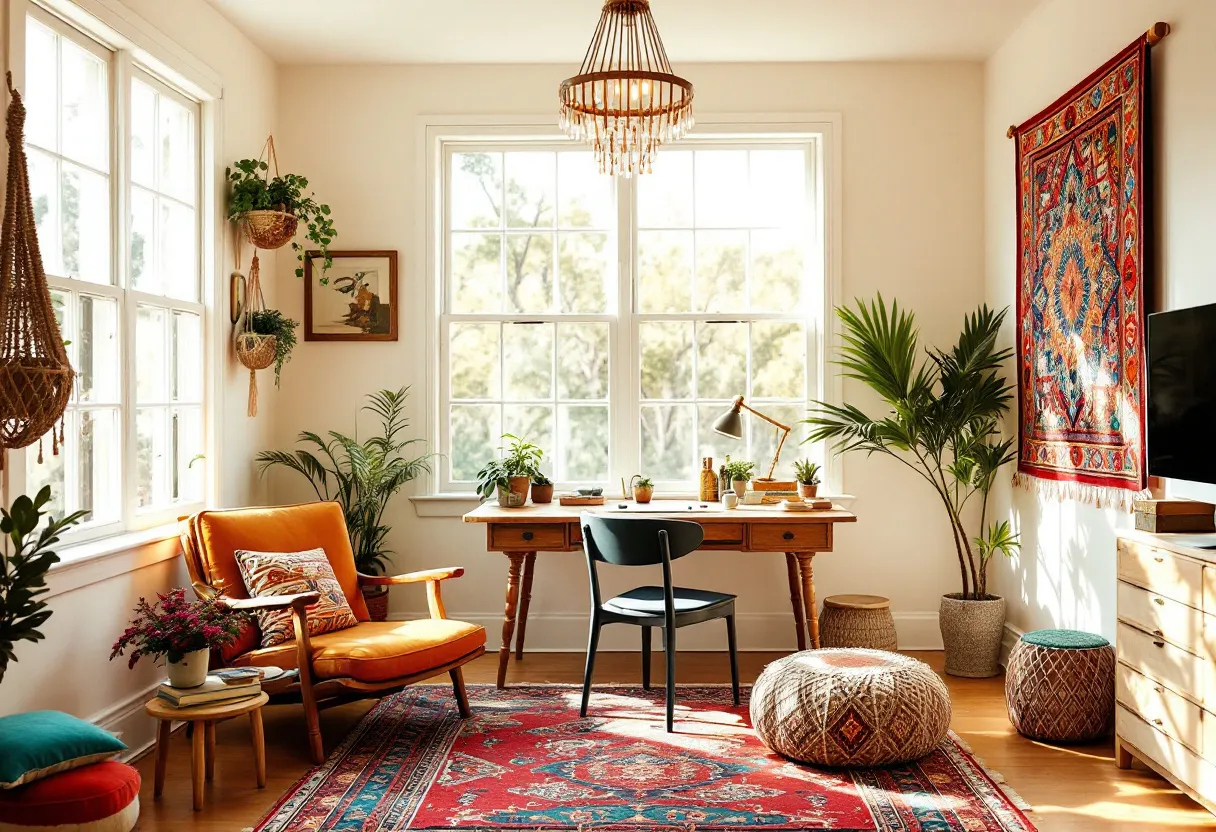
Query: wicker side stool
<point>858,621</point>
<point>1060,686</point>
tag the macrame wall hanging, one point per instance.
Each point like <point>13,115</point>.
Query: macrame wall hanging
<point>254,351</point>
<point>35,376</point>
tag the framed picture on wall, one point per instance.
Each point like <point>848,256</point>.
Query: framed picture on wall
<point>356,300</point>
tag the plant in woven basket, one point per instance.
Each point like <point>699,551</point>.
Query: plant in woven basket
<point>273,322</point>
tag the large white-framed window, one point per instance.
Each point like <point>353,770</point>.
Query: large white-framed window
<point>611,321</point>
<point>116,175</point>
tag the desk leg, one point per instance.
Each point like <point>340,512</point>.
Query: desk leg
<point>508,621</point>
<point>525,599</point>
<point>808,595</point>
<point>791,565</point>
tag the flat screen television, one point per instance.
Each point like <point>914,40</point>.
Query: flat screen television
<point>1182,394</point>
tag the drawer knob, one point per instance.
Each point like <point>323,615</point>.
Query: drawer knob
<point>1158,722</point>
<point>1159,560</point>
<point>528,535</point>
<point>787,536</point>
<point>1159,601</point>
<point>1158,643</point>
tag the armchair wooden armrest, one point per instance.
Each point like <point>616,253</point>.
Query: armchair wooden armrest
<point>300,601</point>
<point>432,577</point>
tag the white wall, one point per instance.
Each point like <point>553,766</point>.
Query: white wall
<point>70,671</point>
<point>913,229</point>
<point>1065,575</point>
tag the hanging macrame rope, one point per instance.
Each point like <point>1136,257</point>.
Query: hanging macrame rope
<point>35,375</point>
<point>256,352</point>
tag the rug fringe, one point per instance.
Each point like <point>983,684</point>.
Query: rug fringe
<point>1094,495</point>
<point>994,775</point>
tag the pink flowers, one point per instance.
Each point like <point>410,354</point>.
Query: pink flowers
<point>174,626</point>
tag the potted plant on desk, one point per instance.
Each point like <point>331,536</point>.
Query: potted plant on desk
<point>542,489</point>
<point>642,487</point>
<point>509,476</point>
<point>943,422</point>
<point>807,474</point>
<point>739,474</point>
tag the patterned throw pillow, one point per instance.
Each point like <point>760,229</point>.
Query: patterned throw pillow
<point>287,573</point>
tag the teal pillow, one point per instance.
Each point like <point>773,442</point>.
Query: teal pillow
<point>1065,640</point>
<point>42,743</point>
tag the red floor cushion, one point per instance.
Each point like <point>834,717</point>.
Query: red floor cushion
<point>103,797</point>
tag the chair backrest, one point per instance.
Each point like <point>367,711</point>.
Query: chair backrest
<point>638,541</point>
<point>211,540</point>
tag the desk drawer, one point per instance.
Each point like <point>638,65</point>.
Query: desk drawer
<point>1158,615</point>
<point>1161,707</point>
<point>800,537</point>
<point>723,536</point>
<point>1159,660</point>
<point>1162,572</point>
<point>527,537</point>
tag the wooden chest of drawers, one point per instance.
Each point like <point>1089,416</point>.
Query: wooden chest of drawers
<point>1166,676</point>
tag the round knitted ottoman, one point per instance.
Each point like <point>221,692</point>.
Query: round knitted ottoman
<point>857,621</point>
<point>850,708</point>
<point>103,797</point>
<point>1060,686</point>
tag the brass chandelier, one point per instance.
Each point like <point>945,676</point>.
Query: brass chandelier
<point>625,100</point>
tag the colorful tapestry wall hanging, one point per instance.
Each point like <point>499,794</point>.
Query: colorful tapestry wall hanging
<point>1082,194</point>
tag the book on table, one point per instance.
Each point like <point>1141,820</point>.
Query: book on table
<point>210,692</point>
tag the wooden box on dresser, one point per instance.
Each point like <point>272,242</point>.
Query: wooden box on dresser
<point>1165,680</point>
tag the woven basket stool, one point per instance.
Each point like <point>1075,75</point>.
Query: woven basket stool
<point>850,708</point>
<point>857,621</point>
<point>1060,686</point>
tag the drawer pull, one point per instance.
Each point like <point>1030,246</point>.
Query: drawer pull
<point>1159,689</point>
<point>787,536</point>
<point>1158,643</point>
<point>1159,560</point>
<point>1158,633</point>
<point>1158,722</point>
<point>1159,601</point>
<point>528,535</point>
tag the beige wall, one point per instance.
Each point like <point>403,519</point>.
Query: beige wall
<point>69,671</point>
<point>1065,575</point>
<point>913,229</point>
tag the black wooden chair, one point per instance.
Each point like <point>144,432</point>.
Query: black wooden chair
<point>628,541</point>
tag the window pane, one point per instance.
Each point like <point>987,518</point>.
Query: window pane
<point>667,442</point>
<point>664,271</point>
<point>178,161</point>
<point>778,188</point>
<point>584,193</point>
<point>85,107</point>
<point>476,190</point>
<point>144,273</point>
<point>143,134</point>
<point>51,471</point>
<point>712,443</point>
<point>41,85</point>
<point>778,273</point>
<point>665,196</point>
<point>666,351</point>
<point>100,463</point>
<point>188,354</point>
<point>721,271</point>
<point>584,444</point>
<point>585,264</point>
<point>474,361</point>
<point>476,273</point>
<point>475,433</point>
<point>529,272</point>
<point>721,188</point>
<point>535,424</point>
<point>61,303</point>
<point>721,360</point>
<point>528,361</point>
<point>188,466</point>
<point>85,204</point>
<point>178,260</point>
<point>762,438</point>
<point>44,190</point>
<point>582,361</point>
<point>778,360</point>
<point>151,355</point>
<point>531,189</point>
<point>97,351</point>
<point>153,457</point>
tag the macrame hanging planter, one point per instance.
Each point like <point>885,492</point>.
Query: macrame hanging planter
<point>35,376</point>
<point>254,351</point>
<point>270,229</point>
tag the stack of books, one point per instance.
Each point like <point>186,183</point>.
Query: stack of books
<point>222,686</point>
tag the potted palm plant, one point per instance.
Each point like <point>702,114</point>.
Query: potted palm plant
<point>362,475</point>
<point>942,421</point>
<point>807,474</point>
<point>739,474</point>
<point>509,475</point>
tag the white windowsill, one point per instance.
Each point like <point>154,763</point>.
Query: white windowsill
<point>99,560</point>
<point>458,505</point>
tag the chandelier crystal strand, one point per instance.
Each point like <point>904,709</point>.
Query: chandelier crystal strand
<point>625,101</point>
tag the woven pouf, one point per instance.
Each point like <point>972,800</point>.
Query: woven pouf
<point>857,621</point>
<point>103,797</point>
<point>1060,686</point>
<point>850,708</point>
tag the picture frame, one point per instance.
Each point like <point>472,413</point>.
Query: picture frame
<point>350,305</point>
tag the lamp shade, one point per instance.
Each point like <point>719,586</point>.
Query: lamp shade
<point>730,424</point>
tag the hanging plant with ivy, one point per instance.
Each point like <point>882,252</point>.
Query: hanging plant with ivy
<point>273,322</point>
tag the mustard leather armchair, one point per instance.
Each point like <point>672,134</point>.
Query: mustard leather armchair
<point>367,661</point>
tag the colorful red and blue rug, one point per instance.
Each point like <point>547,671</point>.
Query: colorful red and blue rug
<point>526,761</point>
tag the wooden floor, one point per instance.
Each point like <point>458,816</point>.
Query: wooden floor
<point>1073,788</point>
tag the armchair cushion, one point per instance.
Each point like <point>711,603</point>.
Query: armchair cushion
<point>376,651</point>
<point>286,573</point>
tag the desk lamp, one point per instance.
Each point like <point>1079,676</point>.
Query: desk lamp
<point>730,424</point>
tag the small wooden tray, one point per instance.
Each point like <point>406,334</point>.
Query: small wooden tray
<point>579,500</point>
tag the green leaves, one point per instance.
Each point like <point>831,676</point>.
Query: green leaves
<point>23,566</point>
<point>273,322</point>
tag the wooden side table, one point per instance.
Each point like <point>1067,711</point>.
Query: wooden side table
<point>204,718</point>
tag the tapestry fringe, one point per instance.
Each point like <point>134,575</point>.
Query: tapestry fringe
<point>1094,495</point>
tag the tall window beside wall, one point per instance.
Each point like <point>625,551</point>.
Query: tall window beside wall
<point>612,321</point>
<point>114,160</point>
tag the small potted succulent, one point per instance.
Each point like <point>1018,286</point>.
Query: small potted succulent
<point>542,489</point>
<point>510,475</point>
<point>739,474</point>
<point>642,487</point>
<point>807,474</point>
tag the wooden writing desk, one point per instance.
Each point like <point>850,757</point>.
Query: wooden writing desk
<point>520,533</point>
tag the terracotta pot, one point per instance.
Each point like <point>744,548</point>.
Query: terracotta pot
<point>542,493</point>
<point>808,492</point>
<point>739,487</point>
<point>643,495</point>
<point>516,494</point>
<point>190,670</point>
<point>972,632</point>
<point>376,599</point>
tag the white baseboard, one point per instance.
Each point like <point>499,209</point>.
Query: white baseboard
<point>127,720</point>
<point>1011,637</point>
<point>758,632</point>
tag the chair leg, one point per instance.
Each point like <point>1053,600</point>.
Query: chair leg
<point>313,719</point>
<point>669,646</point>
<point>462,696</point>
<point>645,658</point>
<point>733,646</point>
<point>593,643</point>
